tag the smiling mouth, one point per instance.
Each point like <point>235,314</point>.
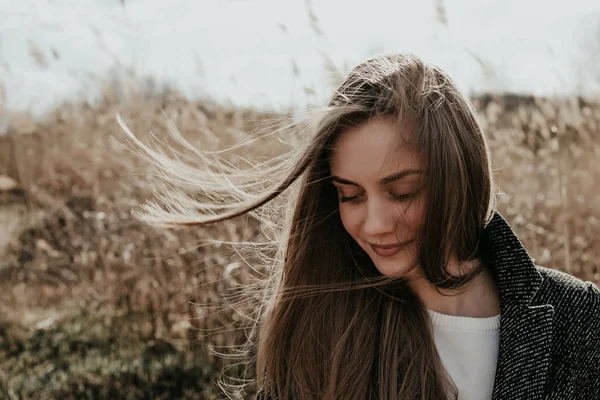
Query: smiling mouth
<point>390,249</point>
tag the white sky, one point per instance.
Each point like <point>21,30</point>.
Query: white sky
<point>237,50</point>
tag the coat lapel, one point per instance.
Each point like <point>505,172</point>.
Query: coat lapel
<point>525,327</point>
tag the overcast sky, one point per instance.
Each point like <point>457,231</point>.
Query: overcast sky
<point>267,54</point>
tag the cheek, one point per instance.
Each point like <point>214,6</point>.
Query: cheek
<point>415,214</point>
<point>350,220</point>
<point>410,216</point>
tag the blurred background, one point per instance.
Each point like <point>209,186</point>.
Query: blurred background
<point>96,305</point>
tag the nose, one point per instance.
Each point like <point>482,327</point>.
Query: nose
<point>380,219</point>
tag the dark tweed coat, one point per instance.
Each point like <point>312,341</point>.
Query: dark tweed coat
<point>549,325</point>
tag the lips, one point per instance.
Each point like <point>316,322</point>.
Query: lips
<point>389,250</point>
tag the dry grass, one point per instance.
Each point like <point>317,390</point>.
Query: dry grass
<point>78,250</point>
<point>546,153</point>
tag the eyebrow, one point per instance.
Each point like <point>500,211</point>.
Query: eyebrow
<point>389,179</point>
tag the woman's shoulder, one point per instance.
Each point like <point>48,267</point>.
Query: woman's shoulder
<point>576,336</point>
<point>571,297</point>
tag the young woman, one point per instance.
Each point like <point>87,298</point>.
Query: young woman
<point>397,279</point>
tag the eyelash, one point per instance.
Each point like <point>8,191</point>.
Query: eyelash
<point>354,199</point>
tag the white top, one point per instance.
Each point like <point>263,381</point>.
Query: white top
<point>468,348</point>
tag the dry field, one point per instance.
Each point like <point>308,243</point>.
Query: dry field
<point>94,304</point>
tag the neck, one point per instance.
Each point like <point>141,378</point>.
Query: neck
<point>479,299</point>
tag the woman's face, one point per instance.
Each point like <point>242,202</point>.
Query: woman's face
<point>381,200</point>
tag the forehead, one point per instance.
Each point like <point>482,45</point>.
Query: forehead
<point>372,150</point>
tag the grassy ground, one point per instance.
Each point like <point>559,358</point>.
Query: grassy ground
<point>88,357</point>
<point>95,305</point>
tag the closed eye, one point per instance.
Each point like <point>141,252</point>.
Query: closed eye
<point>401,197</point>
<point>352,199</point>
<point>356,199</point>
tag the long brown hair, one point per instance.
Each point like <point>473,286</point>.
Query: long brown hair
<point>329,326</point>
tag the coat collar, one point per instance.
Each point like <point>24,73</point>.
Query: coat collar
<point>525,327</point>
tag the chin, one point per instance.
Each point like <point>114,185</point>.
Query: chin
<point>399,265</point>
<point>392,273</point>
<point>394,268</point>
